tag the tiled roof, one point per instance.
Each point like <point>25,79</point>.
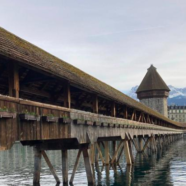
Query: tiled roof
<point>152,81</point>
<point>20,50</point>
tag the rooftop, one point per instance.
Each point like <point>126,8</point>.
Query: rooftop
<point>152,81</point>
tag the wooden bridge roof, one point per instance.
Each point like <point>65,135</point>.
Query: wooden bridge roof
<point>22,51</point>
<point>152,81</point>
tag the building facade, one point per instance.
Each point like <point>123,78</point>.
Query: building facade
<point>153,91</point>
<point>177,113</point>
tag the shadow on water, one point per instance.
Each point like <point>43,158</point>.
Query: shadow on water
<point>165,168</point>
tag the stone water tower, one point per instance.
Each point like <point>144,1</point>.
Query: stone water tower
<point>153,91</point>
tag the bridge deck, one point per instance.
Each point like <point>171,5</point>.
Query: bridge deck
<point>59,127</point>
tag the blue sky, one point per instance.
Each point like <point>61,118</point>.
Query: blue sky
<point>115,41</point>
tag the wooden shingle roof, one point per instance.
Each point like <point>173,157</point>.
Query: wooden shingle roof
<point>152,81</point>
<point>20,50</point>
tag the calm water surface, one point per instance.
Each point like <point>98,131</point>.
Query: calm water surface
<point>167,168</point>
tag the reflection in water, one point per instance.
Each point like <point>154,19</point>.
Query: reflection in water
<point>166,168</point>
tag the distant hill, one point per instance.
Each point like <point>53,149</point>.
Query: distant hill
<point>177,96</point>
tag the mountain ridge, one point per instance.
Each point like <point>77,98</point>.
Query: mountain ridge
<point>177,96</point>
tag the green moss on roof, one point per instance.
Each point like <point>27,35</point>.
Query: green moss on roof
<point>18,49</point>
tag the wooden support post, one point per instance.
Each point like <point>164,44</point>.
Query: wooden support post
<point>116,152</point>
<point>65,166</point>
<point>100,153</point>
<point>37,165</point>
<point>92,153</point>
<point>128,175</point>
<point>114,148</point>
<point>13,80</point>
<point>113,110</point>
<point>95,104</point>
<point>67,95</point>
<point>127,153</point>
<point>139,119</point>
<point>130,150</point>
<point>133,115</point>
<point>126,113</point>
<point>119,156</point>
<point>90,177</point>
<point>50,166</point>
<point>107,153</point>
<point>75,166</point>
<point>135,144</point>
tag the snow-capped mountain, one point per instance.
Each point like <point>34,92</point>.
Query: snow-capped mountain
<point>177,96</point>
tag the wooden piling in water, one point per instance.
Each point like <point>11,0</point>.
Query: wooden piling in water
<point>88,168</point>
<point>37,165</point>
<point>127,152</point>
<point>65,166</point>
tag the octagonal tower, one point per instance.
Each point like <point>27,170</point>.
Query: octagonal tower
<point>153,91</point>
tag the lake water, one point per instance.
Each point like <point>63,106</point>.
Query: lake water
<point>167,168</point>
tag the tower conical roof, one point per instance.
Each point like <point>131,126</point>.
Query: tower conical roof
<point>152,81</point>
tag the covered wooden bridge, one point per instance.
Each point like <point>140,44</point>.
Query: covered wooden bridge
<point>51,105</point>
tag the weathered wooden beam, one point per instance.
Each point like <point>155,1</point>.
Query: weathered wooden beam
<point>65,166</point>
<point>50,166</point>
<point>13,71</point>
<point>135,144</point>
<point>119,156</point>
<point>37,165</point>
<point>67,95</point>
<point>100,153</point>
<point>75,166</point>
<point>95,104</point>
<point>114,148</point>
<point>125,113</point>
<point>113,110</point>
<point>88,168</point>
<point>127,152</point>
<point>133,115</point>
<point>130,150</point>
<point>92,153</point>
<point>116,152</point>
